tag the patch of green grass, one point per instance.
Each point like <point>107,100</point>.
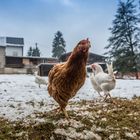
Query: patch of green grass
<point>41,131</point>
<point>80,129</point>
<point>112,119</point>
<point>87,122</point>
<point>59,137</point>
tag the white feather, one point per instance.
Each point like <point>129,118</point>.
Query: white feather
<point>102,81</point>
<point>39,80</point>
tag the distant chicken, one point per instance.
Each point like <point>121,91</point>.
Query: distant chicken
<point>64,80</point>
<point>101,81</point>
<point>39,80</point>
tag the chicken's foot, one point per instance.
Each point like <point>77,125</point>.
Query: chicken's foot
<point>111,99</point>
<point>100,94</point>
<point>57,110</point>
<point>65,113</point>
<point>107,94</point>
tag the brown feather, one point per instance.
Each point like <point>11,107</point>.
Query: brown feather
<point>67,78</point>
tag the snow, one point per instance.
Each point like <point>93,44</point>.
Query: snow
<point>20,96</point>
<point>124,89</point>
<point>72,134</point>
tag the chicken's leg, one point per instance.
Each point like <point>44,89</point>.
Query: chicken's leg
<point>65,113</point>
<point>107,94</point>
<point>59,109</point>
<point>100,94</point>
<point>111,99</point>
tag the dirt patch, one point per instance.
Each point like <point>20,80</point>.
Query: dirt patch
<point>88,120</point>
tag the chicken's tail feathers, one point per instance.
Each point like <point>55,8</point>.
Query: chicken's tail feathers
<point>110,68</point>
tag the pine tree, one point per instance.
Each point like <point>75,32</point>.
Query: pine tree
<point>36,51</point>
<point>30,51</point>
<point>124,44</point>
<point>58,45</point>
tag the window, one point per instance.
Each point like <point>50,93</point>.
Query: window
<point>15,53</point>
<point>14,40</point>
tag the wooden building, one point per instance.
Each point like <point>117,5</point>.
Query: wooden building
<point>44,68</point>
<point>92,58</point>
<point>27,62</point>
<point>13,45</point>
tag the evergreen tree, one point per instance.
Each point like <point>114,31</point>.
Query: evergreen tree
<point>58,45</point>
<point>30,51</point>
<point>124,44</point>
<point>36,51</point>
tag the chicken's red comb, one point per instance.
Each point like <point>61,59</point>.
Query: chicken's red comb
<point>92,65</point>
<point>84,41</point>
<point>87,40</point>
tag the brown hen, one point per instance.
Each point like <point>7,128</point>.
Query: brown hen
<point>64,80</point>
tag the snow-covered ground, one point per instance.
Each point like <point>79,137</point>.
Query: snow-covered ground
<point>20,96</point>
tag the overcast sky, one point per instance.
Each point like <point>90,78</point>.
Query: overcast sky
<point>38,21</point>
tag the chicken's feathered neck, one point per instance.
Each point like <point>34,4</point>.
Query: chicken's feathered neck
<point>98,69</point>
<point>77,59</point>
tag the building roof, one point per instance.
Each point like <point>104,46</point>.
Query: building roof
<point>44,64</point>
<point>91,59</point>
<point>33,57</point>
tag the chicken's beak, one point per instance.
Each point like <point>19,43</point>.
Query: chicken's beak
<point>86,48</point>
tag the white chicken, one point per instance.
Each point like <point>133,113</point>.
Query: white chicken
<point>39,80</point>
<point>101,81</point>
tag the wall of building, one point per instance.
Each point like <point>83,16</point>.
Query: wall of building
<point>1,70</point>
<point>3,41</point>
<point>14,45</point>
<point>2,57</point>
<point>14,51</point>
<point>17,70</point>
<point>26,61</point>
